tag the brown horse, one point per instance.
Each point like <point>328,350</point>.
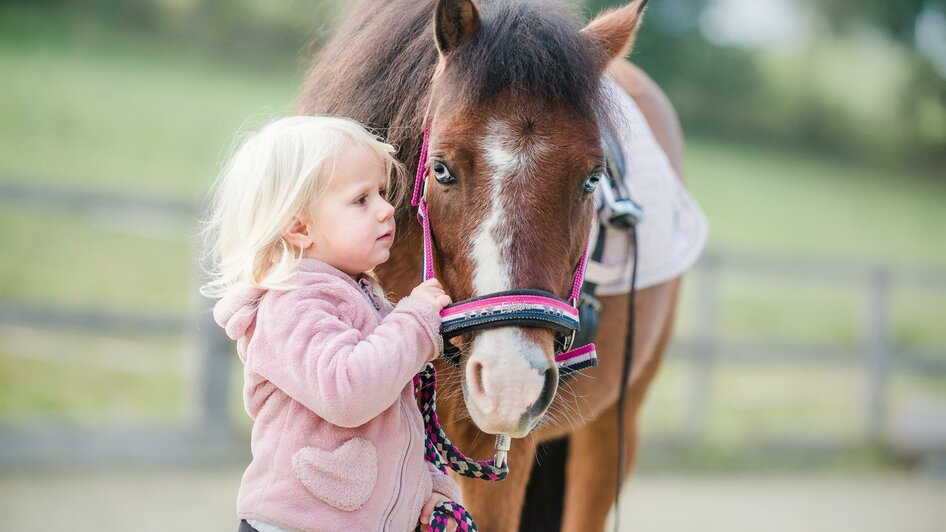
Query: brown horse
<point>512,94</point>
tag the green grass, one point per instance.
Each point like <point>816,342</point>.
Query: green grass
<point>124,114</point>
<point>786,203</point>
<point>127,114</point>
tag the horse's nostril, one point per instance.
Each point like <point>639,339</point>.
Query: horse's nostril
<point>477,388</point>
<point>476,378</point>
<point>549,386</point>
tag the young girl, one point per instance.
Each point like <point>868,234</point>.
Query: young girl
<point>300,218</point>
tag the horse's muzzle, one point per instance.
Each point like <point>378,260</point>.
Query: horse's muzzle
<point>509,381</point>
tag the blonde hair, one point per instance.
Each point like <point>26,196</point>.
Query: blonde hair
<point>276,174</point>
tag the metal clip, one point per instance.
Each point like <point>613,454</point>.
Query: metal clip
<point>621,211</point>
<point>502,449</point>
<point>568,341</point>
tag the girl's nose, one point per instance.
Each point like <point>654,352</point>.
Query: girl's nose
<point>387,211</point>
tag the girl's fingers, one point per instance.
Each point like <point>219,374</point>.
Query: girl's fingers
<point>427,512</point>
<point>432,282</point>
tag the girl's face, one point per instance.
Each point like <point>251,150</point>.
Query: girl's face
<point>352,226</point>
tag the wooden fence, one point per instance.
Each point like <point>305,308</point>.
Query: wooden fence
<point>876,354</point>
<point>213,437</point>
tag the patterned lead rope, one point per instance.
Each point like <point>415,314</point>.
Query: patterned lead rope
<point>446,511</point>
<point>438,446</point>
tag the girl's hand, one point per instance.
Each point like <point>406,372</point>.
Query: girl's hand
<point>427,513</point>
<point>432,291</point>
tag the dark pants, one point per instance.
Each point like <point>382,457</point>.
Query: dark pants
<point>245,527</point>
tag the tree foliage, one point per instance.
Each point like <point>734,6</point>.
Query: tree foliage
<point>896,17</point>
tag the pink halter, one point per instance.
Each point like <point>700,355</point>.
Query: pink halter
<point>534,308</point>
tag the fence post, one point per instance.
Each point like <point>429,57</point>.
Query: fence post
<point>878,346</point>
<point>215,350</point>
<point>701,366</point>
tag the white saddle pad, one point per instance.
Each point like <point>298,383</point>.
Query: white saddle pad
<point>672,233</point>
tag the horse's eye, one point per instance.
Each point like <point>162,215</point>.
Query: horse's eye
<point>442,173</point>
<point>591,183</point>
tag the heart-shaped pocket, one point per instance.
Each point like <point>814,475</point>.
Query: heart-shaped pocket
<point>344,477</point>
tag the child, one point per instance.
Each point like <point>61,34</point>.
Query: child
<point>300,218</point>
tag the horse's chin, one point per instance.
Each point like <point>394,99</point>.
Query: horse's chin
<point>508,382</point>
<point>519,427</point>
<point>491,427</point>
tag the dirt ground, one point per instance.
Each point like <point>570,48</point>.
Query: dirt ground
<point>203,501</point>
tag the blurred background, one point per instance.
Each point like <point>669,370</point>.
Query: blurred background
<point>805,390</point>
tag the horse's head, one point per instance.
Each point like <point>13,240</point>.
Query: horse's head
<point>515,152</point>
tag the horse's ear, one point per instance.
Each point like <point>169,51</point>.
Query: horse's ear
<point>613,31</point>
<point>455,21</point>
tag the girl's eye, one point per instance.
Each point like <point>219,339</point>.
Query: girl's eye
<point>361,200</point>
<point>591,182</point>
<point>442,173</point>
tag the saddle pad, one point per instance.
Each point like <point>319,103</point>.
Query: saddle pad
<point>672,232</point>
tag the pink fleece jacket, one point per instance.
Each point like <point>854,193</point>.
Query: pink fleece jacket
<point>337,440</point>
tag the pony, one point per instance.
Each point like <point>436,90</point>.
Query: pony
<point>511,94</point>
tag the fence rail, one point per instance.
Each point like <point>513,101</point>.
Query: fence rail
<point>16,191</point>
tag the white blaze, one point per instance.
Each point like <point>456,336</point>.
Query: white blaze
<point>508,358</point>
<point>506,159</point>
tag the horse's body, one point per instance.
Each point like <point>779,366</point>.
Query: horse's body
<point>378,69</point>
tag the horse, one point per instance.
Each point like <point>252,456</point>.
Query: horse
<point>511,94</point>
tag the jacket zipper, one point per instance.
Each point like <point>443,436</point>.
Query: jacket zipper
<point>366,288</point>
<point>400,478</point>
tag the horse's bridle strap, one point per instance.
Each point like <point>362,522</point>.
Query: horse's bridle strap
<point>577,359</point>
<point>527,298</point>
<point>523,318</point>
<point>512,309</point>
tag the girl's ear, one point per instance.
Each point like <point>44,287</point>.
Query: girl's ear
<point>298,235</point>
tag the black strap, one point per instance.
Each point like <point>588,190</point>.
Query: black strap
<point>625,378</point>
<point>616,165</point>
<point>589,287</point>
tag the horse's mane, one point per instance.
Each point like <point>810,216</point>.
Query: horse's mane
<point>533,47</point>
<point>378,67</point>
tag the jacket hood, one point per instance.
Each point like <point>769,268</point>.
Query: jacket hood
<point>236,312</point>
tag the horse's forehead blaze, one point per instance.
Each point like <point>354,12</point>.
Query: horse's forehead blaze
<point>523,163</point>
<point>511,153</point>
<point>521,179</point>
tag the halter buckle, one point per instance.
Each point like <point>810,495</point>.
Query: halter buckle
<point>568,341</point>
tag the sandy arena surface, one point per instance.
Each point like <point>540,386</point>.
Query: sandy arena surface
<point>109,501</point>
